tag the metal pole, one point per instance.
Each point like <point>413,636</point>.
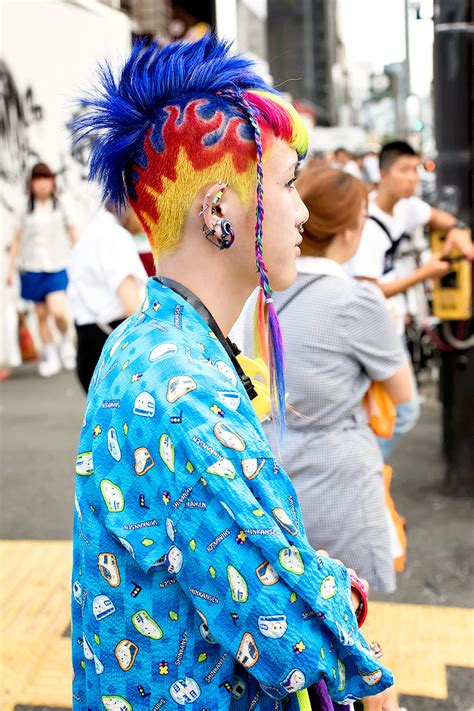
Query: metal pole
<point>454,98</point>
<point>407,49</point>
<point>308,48</point>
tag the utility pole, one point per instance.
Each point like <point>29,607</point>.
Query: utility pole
<point>454,127</point>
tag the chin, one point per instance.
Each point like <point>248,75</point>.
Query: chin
<point>283,279</point>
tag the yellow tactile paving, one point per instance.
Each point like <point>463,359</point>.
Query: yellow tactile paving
<point>34,612</point>
<point>419,641</point>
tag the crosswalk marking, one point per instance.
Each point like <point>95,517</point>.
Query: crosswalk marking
<point>419,641</point>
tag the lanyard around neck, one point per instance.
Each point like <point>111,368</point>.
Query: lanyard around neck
<point>230,348</point>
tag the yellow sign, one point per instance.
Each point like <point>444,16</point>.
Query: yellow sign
<point>452,293</point>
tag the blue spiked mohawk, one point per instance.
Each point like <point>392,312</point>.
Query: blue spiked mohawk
<point>179,117</point>
<point>120,114</point>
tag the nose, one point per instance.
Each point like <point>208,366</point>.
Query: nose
<point>301,213</point>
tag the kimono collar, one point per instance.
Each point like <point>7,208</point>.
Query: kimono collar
<point>231,349</point>
<point>320,265</point>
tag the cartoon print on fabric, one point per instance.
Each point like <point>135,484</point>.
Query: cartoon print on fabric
<point>182,507</point>
<point>143,461</point>
<point>146,625</point>
<point>328,587</point>
<point>185,537</point>
<point>116,703</point>
<point>167,451</point>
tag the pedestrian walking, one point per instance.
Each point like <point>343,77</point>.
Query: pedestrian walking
<point>193,580</point>
<point>132,224</point>
<point>344,160</point>
<point>339,337</point>
<point>394,213</point>
<point>41,245</point>
<point>106,285</point>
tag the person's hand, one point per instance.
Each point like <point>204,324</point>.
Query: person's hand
<point>436,267</point>
<point>385,701</point>
<point>355,595</point>
<point>9,278</point>
<point>462,240</point>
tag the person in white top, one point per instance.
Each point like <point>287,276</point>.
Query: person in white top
<point>344,161</point>
<point>106,285</point>
<point>41,244</point>
<point>394,212</point>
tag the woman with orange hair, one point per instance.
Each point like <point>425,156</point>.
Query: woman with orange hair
<point>338,337</point>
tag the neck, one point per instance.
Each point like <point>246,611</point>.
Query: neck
<point>223,296</point>
<point>337,251</point>
<point>385,200</point>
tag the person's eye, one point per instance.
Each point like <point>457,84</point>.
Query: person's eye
<point>291,183</point>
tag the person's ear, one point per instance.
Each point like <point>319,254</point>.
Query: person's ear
<point>217,228</point>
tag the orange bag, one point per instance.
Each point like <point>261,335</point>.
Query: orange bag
<point>398,536</point>
<point>381,410</point>
<point>25,340</point>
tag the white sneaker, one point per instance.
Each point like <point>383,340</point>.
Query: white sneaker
<point>68,354</point>
<point>50,364</point>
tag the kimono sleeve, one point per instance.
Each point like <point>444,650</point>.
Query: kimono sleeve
<point>225,519</point>
<point>278,608</point>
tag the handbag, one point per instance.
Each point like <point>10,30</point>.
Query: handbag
<point>25,340</point>
<point>396,524</point>
<point>381,410</point>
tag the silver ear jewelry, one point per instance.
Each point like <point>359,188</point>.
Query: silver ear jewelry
<point>301,228</point>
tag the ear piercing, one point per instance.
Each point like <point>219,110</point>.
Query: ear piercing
<point>301,228</point>
<point>222,229</point>
<point>220,186</point>
<point>226,237</point>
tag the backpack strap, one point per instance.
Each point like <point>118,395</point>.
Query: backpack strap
<point>390,254</point>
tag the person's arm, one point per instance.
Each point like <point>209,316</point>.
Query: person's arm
<point>307,596</point>
<point>129,294</point>
<point>400,385</point>
<point>456,237</point>
<point>123,272</point>
<point>236,546</point>
<point>435,268</point>
<point>73,235</point>
<point>372,340</point>
<point>12,255</point>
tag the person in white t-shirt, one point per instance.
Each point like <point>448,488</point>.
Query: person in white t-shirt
<point>106,285</point>
<point>394,213</point>
<point>343,161</point>
<point>41,245</point>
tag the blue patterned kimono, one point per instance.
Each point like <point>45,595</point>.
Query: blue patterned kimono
<point>193,582</point>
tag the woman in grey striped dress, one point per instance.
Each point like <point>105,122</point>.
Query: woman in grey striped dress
<point>338,336</point>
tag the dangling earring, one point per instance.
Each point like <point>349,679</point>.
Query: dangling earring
<point>222,230</point>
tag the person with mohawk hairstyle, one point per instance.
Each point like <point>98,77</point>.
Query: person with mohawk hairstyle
<point>193,581</point>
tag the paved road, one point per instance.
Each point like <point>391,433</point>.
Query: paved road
<point>41,423</point>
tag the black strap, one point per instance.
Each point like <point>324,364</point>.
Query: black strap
<point>297,292</point>
<point>230,348</point>
<point>390,254</point>
<point>383,227</point>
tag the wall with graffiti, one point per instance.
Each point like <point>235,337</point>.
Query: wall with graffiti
<point>48,56</point>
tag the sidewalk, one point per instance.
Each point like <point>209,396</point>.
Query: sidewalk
<point>426,628</point>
